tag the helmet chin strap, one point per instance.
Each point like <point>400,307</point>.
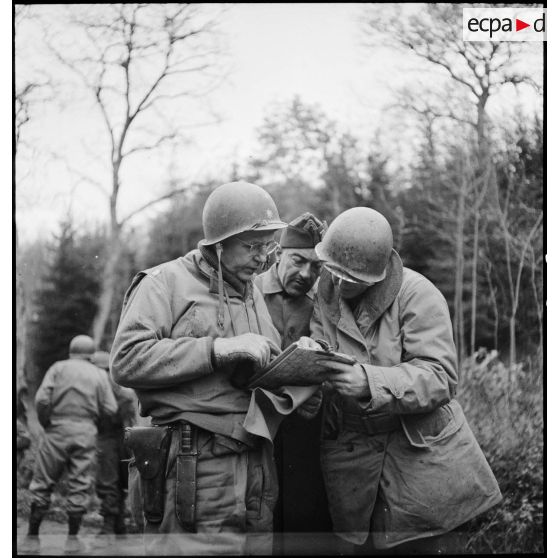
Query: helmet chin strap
<point>221,310</point>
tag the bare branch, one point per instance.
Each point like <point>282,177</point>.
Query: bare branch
<point>151,203</point>
<point>160,141</point>
<point>526,245</point>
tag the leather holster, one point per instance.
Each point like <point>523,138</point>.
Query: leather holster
<point>150,446</point>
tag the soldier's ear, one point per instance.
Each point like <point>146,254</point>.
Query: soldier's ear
<point>278,253</point>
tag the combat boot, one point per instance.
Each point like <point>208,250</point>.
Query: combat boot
<point>73,544</point>
<point>74,523</point>
<point>109,525</point>
<point>120,525</point>
<point>35,519</point>
<point>31,543</point>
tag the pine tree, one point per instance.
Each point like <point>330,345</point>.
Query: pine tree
<point>66,301</point>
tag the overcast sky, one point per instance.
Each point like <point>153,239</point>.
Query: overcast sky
<point>276,51</point>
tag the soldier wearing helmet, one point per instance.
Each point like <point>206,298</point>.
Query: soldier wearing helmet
<point>73,396</point>
<point>401,465</point>
<point>190,331</point>
<point>112,473</point>
<point>288,289</point>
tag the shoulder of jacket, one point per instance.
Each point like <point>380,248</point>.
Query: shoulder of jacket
<point>416,283</point>
<point>258,280</point>
<point>168,272</point>
<point>55,367</point>
<point>163,269</point>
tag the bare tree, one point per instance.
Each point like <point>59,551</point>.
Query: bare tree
<point>139,63</point>
<point>517,246</point>
<point>31,89</point>
<point>479,69</point>
<point>536,285</point>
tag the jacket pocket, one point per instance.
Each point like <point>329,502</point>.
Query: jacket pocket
<point>428,429</point>
<point>223,445</point>
<point>255,492</point>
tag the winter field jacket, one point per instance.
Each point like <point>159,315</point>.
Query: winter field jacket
<point>432,473</point>
<point>162,348</point>
<point>74,390</point>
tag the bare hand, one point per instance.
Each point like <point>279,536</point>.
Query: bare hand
<point>347,379</point>
<point>308,343</point>
<point>309,409</point>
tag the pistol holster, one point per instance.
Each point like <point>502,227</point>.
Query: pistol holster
<point>150,446</point>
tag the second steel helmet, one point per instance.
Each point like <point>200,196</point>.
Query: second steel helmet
<point>101,359</point>
<point>237,207</point>
<point>82,345</point>
<point>358,245</point>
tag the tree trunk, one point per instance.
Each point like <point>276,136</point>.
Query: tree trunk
<point>474,280</point>
<point>538,304</point>
<point>494,302</point>
<point>108,287</point>
<point>482,162</point>
<point>21,332</point>
<point>513,355</point>
<point>459,272</point>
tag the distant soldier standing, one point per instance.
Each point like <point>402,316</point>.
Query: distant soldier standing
<point>288,288</point>
<point>72,398</point>
<point>112,467</point>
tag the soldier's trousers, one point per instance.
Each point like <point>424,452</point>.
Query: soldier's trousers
<point>111,481</point>
<point>235,496</point>
<point>66,445</point>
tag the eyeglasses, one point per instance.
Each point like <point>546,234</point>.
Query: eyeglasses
<point>257,248</point>
<point>344,276</point>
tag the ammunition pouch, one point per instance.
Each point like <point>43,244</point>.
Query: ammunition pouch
<point>150,446</point>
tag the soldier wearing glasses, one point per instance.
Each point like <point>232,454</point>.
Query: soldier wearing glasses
<point>189,329</point>
<point>402,468</point>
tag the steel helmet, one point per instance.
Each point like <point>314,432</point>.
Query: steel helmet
<point>237,207</point>
<point>101,359</point>
<point>358,244</point>
<point>82,345</point>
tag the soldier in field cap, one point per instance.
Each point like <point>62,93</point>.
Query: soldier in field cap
<point>288,289</point>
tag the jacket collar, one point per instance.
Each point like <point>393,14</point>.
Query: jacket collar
<point>208,272</point>
<point>271,284</point>
<point>375,301</point>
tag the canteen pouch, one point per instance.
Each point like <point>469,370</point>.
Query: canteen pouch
<point>150,446</point>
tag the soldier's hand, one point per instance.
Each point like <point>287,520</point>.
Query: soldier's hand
<point>248,346</point>
<point>308,343</point>
<point>309,409</point>
<point>347,379</point>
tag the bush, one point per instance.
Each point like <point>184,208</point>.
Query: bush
<point>504,406</point>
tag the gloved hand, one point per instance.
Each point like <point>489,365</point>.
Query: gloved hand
<point>248,346</point>
<point>309,409</point>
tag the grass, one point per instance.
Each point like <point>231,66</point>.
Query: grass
<point>504,406</point>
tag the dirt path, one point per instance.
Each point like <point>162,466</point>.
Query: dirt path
<point>54,535</point>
